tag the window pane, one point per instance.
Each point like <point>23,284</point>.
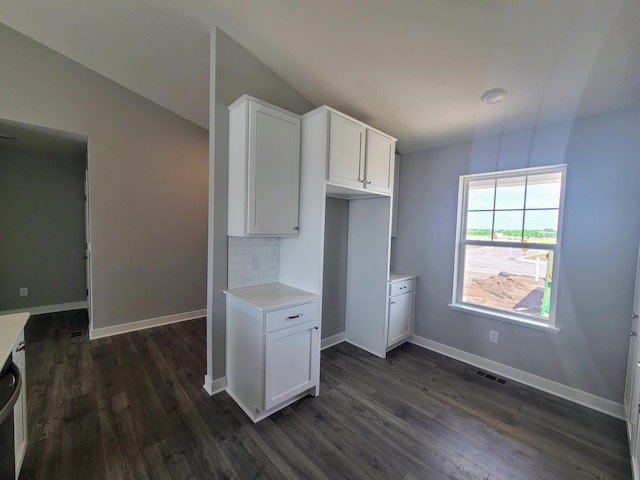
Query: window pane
<point>541,226</point>
<point>481,194</point>
<point>508,279</point>
<point>543,191</point>
<point>510,193</point>
<point>508,226</point>
<point>479,225</point>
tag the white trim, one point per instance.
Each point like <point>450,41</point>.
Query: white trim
<point>214,386</point>
<point>332,340</point>
<point>142,324</point>
<point>634,468</point>
<point>503,317</point>
<point>258,415</point>
<point>563,391</point>
<point>60,307</point>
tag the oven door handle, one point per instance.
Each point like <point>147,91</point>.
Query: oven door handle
<point>17,384</point>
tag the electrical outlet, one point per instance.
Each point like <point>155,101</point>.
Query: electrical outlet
<point>493,336</point>
<point>253,262</point>
<point>24,291</point>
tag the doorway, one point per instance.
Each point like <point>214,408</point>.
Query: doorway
<point>44,218</point>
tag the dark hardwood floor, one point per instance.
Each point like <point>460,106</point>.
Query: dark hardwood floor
<point>132,406</point>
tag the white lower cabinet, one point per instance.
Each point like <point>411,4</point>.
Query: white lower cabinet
<point>401,307</point>
<point>291,362</point>
<point>273,347</point>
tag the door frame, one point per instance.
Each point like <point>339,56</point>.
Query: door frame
<point>87,240</point>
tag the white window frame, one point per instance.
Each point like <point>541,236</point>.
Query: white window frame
<point>457,303</point>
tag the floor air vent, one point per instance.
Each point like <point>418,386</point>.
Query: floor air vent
<point>492,377</point>
<point>79,336</point>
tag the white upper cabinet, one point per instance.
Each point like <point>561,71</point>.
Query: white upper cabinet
<point>380,162</point>
<point>346,151</point>
<point>359,157</point>
<point>264,169</point>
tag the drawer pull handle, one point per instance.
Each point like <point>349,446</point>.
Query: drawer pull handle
<point>291,317</point>
<point>21,346</point>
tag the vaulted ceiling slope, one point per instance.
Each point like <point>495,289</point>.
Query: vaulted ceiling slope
<point>415,68</point>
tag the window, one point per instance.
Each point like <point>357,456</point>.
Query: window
<point>508,243</point>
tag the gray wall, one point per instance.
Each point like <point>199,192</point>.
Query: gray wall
<point>598,257</point>
<point>147,174</point>
<point>234,72</point>
<point>42,225</point>
<point>334,285</point>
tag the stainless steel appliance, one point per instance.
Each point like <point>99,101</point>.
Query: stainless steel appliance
<point>10,383</point>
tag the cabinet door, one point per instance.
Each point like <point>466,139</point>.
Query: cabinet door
<point>273,171</point>
<point>400,318</point>
<point>346,151</point>
<point>292,362</point>
<point>380,162</point>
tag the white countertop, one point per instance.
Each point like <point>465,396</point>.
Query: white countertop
<point>10,327</point>
<point>272,296</point>
<point>397,276</point>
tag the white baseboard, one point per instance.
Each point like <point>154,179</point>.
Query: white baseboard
<point>554,388</point>
<point>332,340</point>
<point>142,324</point>
<point>214,386</point>
<point>60,307</point>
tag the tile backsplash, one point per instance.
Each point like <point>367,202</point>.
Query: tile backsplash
<point>267,254</point>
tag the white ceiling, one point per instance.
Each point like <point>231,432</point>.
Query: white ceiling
<point>413,68</point>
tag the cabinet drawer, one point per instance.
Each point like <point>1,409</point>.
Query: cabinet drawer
<point>398,288</point>
<point>290,316</point>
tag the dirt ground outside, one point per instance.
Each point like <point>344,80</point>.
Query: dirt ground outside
<point>513,293</point>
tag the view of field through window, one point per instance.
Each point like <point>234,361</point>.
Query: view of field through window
<point>510,237</point>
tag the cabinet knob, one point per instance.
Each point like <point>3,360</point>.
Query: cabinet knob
<point>633,333</point>
<point>291,317</point>
<point>21,346</point>
<point>369,182</point>
<point>634,315</point>
<point>393,303</point>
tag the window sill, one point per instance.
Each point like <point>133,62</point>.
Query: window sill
<point>503,317</point>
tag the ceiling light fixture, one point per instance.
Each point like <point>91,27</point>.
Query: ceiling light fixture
<point>493,96</point>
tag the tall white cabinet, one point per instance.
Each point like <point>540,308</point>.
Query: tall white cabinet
<point>342,157</point>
